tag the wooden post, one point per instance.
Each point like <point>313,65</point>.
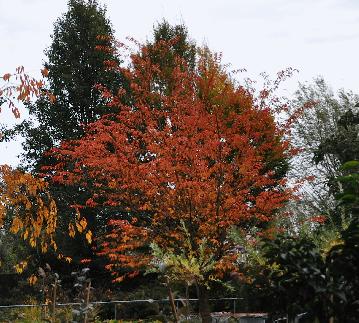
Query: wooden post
<point>54,302</point>
<point>170,297</point>
<point>44,307</point>
<point>87,301</point>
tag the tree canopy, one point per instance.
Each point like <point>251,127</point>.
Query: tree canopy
<point>193,159</point>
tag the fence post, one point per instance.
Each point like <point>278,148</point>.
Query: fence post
<point>115,311</point>
<point>234,306</point>
<point>54,302</point>
<point>171,299</point>
<point>87,300</point>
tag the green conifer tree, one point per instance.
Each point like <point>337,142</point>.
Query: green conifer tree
<point>81,42</point>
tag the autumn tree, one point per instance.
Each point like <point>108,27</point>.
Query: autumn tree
<point>163,33</point>
<point>188,164</point>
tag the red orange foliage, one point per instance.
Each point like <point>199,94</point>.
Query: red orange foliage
<point>19,86</point>
<point>194,151</point>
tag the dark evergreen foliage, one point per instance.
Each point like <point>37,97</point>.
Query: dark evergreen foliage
<point>76,65</point>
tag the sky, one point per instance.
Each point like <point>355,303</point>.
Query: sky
<point>317,37</point>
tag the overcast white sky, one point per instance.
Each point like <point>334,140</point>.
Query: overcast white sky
<point>318,37</point>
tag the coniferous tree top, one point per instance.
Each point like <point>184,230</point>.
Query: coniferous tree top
<point>73,62</point>
<point>182,45</point>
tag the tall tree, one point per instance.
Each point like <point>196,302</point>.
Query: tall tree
<point>81,43</point>
<point>320,121</point>
<point>183,167</point>
<point>74,195</point>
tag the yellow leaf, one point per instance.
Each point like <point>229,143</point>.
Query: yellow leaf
<point>81,225</point>
<point>32,242</point>
<point>19,268</point>
<point>32,280</point>
<point>43,247</point>
<point>89,236</point>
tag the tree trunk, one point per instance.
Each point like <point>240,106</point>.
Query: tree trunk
<point>203,302</point>
<point>172,302</point>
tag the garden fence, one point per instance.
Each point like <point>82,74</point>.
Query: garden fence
<point>231,304</point>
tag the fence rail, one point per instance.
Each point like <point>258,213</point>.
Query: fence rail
<point>149,300</point>
<point>177,301</point>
